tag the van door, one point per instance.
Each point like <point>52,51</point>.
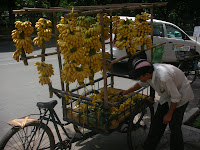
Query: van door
<point>174,36</point>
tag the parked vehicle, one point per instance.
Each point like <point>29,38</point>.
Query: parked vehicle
<point>164,32</point>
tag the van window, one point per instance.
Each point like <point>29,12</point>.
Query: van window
<point>158,29</point>
<point>173,32</point>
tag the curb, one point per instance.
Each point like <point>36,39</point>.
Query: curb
<point>191,135</point>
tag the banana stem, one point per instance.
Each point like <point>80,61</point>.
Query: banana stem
<point>142,47</point>
<point>67,87</point>
<point>50,92</point>
<point>43,52</point>
<point>24,57</point>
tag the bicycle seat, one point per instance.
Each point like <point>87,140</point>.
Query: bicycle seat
<point>48,105</point>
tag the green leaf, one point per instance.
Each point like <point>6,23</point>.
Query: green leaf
<point>97,146</point>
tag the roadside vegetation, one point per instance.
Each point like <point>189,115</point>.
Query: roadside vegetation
<point>184,13</point>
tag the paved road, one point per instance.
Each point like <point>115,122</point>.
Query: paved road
<point>20,91</point>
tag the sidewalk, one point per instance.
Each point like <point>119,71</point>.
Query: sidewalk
<point>164,143</point>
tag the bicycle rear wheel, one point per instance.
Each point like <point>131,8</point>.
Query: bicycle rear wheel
<point>190,73</point>
<point>20,138</point>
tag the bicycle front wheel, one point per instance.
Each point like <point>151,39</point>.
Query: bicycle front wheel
<point>32,136</point>
<point>188,70</point>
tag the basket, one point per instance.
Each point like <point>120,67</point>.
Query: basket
<point>89,112</point>
<point>182,52</point>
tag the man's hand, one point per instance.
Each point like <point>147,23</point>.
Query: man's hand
<point>167,118</point>
<point>151,99</point>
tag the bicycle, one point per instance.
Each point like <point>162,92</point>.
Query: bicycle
<point>189,65</point>
<point>34,133</point>
<point>28,133</point>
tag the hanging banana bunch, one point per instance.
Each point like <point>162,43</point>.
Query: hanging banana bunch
<point>23,42</point>
<point>125,35</point>
<point>45,71</point>
<point>143,30</point>
<point>70,41</point>
<point>132,34</point>
<point>71,46</point>
<point>44,33</point>
<point>91,31</point>
<point>72,72</point>
<point>84,22</point>
<point>115,20</point>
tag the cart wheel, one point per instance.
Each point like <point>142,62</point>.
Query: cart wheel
<point>138,124</point>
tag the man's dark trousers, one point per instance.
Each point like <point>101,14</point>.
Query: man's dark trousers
<point>157,128</point>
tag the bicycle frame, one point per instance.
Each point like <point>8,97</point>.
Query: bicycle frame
<point>53,117</point>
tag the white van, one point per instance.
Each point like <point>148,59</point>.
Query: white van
<point>164,32</point>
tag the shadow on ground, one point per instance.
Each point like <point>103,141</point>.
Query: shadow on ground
<point>7,45</point>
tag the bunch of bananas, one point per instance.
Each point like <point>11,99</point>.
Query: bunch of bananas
<point>79,42</point>
<point>115,20</point>
<point>143,29</point>
<point>84,22</point>
<point>76,54</point>
<point>20,37</point>
<point>44,32</point>
<point>45,71</point>
<point>24,27</point>
<point>125,35</point>
<point>72,72</point>
<point>70,40</point>
<point>114,110</point>
<point>132,34</point>
<point>106,21</point>
<point>91,31</point>
<point>71,46</point>
<point>94,61</point>
<point>69,37</point>
<point>91,37</point>
<point>126,105</point>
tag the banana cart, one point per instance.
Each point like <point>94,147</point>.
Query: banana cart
<point>97,107</point>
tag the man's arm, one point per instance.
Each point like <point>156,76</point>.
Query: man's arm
<point>133,88</point>
<point>168,117</point>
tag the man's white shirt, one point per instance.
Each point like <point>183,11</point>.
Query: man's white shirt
<point>171,84</point>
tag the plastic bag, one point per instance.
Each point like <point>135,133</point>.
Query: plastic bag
<point>157,54</point>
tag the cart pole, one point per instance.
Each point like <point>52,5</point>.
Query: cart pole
<point>152,91</point>
<point>57,48</point>
<point>151,11</point>
<point>111,51</point>
<point>104,60</point>
<point>59,62</point>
